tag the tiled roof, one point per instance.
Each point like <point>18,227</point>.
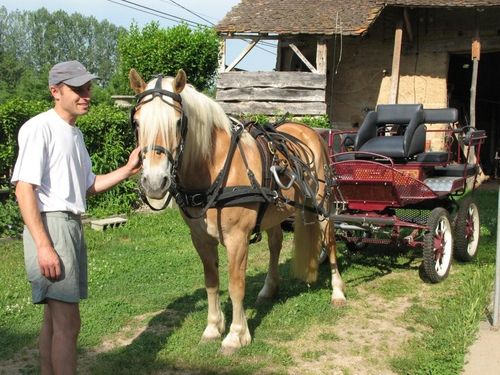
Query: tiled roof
<point>323,17</point>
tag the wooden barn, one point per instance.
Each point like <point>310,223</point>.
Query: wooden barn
<point>342,58</point>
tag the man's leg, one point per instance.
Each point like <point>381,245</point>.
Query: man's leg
<point>45,343</point>
<point>65,329</point>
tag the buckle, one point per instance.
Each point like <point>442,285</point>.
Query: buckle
<point>196,200</point>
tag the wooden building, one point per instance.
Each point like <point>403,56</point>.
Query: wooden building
<point>342,58</point>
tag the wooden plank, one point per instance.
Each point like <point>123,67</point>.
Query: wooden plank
<point>103,224</point>
<point>271,79</point>
<point>321,56</point>
<point>222,55</point>
<point>303,58</point>
<point>273,108</point>
<point>243,53</point>
<point>396,59</point>
<point>271,93</point>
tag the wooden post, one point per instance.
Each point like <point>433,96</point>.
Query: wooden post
<point>243,53</point>
<point>303,58</point>
<point>476,54</point>
<point>222,55</point>
<point>396,60</point>
<point>321,56</point>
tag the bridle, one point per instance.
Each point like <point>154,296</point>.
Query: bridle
<point>159,92</point>
<point>182,123</point>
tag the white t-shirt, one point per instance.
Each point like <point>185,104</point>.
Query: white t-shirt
<point>53,156</point>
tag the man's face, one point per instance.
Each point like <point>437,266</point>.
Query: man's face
<point>72,101</point>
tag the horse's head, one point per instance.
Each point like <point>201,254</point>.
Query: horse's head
<point>160,125</point>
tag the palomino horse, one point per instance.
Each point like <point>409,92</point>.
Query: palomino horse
<point>191,150</point>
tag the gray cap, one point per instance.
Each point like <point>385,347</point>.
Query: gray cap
<point>72,73</point>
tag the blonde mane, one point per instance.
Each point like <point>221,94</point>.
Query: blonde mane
<point>159,122</point>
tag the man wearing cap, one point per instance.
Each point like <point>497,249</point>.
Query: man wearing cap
<point>53,175</point>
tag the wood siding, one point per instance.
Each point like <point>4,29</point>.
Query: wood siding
<point>271,93</point>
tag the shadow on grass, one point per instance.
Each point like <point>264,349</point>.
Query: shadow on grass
<point>141,356</point>
<point>377,261</point>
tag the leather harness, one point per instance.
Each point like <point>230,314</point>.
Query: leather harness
<point>268,139</point>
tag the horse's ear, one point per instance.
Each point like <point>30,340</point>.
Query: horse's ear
<point>136,82</point>
<point>180,81</point>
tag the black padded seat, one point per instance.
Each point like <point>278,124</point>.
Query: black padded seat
<point>391,146</point>
<point>432,157</point>
<point>457,170</point>
<point>410,117</point>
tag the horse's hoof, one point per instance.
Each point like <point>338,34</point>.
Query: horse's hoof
<point>211,334</point>
<point>233,342</point>
<point>339,302</point>
<point>263,300</point>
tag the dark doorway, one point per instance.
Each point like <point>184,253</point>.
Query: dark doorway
<point>487,99</point>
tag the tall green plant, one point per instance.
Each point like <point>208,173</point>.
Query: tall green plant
<point>13,114</point>
<point>109,140</point>
<point>153,50</point>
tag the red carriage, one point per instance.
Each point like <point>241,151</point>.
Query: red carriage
<point>390,189</point>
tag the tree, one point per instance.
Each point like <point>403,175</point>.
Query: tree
<point>32,41</point>
<point>153,50</point>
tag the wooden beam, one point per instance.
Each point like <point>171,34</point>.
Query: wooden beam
<point>247,49</point>
<point>321,56</point>
<point>396,60</point>
<point>303,58</point>
<point>252,36</point>
<point>475,54</point>
<point>270,93</point>
<point>408,28</point>
<point>271,79</point>
<point>274,108</point>
<point>222,55</point>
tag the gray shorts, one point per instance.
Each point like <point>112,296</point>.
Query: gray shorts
<point>66,232</point>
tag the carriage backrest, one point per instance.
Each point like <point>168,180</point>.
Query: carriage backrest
<point>409,142</point>
<point>440,115</point>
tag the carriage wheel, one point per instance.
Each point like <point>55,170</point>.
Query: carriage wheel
<point>467,227</point>
<point>438,245</point>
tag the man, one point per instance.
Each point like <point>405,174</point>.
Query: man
<point>53,175</point>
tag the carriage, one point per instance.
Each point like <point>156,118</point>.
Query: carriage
<point>391,189</point>
<point>232,181</point>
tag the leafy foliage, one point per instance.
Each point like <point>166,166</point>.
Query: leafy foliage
<point>13,114</point>
<point>153,50</point>
<point>32,41</point>
<point>109,140</point>
<point>312,121</point>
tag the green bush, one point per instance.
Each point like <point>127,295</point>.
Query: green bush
<point>13,114</point>
<point>108,137</point>
<point>109,140</point>
<point>11,224</point>
<point>312,121</point>
<point>152,50</point>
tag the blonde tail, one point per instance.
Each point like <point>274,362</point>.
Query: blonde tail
<point>307,245</point>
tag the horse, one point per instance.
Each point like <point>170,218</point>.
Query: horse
<point>191,150</point>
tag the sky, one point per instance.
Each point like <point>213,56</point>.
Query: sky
<point>119,12</point>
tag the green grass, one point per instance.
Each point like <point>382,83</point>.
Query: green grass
<point>146,279</point>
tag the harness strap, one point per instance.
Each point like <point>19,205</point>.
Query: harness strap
<point>214,189</point>
<point>257,235</point>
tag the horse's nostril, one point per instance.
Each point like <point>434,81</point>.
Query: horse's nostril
<point>164,182</point>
